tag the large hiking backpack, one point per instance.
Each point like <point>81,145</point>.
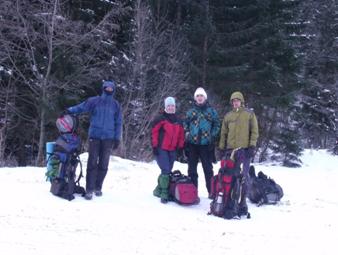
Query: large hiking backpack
<point>64,160</point>
<point>263,189</point>
<point>182,190</point>
<point>226,191</point>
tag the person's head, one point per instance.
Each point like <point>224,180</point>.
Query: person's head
<point>237,100</point>
<point>169,105</point>
<point>200,96</point>
<point>108,87</point>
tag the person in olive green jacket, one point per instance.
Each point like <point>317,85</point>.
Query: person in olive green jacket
<point>240,131</point>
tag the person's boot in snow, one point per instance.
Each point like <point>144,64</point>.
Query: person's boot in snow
<point>88,195</point>
<point>243,207</point>
<point>164,185</point>
<point>157,190</point>
<point>98,193</point>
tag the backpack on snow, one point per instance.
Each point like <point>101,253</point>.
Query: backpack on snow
<point>64,160</point>
<point>226,191</point>
<point>263,189</point>
<point>182,190</point>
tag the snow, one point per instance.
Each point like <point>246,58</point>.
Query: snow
<point>127,219</point>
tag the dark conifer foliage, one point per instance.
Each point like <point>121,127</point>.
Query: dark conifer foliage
<point>281,54</point>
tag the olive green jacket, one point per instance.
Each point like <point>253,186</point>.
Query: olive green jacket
<point>239,129</point>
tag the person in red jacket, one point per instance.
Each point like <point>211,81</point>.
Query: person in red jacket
<point>167,137</point>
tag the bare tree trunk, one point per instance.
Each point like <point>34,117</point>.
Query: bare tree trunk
<point>44,88</point>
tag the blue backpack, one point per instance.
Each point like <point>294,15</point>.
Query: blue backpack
<point>64,160</point>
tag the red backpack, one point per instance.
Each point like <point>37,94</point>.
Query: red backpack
<point>182,190</point>
<point>226,191</point>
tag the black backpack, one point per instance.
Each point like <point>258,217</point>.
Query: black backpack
<point>64,160</point>
<point>263,189</point>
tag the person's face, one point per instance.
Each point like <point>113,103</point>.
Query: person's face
<point>200,99</point>
<point>108,89</point>
<point>170,108</point>
<point>236,103</point>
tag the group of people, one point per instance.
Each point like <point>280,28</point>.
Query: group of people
<point>197,135</point>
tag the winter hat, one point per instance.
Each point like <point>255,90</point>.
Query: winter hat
<point>237,95</point>
<point>169,101</point>
<point>106,84</point>
<point>200,91</point>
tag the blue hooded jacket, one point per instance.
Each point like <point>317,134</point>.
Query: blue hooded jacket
<point>105,114</point>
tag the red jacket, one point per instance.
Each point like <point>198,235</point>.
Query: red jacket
<point>167,132</point>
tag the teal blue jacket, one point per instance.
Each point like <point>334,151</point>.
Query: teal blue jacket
<point>202,125</point>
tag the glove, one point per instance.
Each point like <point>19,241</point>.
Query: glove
<point>155,151</point>
<point>251,151</point>
<point>116,144</point>
<point>180,152</point>
<point>220,154</point>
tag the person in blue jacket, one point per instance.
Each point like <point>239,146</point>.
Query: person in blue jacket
<point>104,134</point>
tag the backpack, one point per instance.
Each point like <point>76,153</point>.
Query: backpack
<point>64,160</point>
<point>263,189</point>
<point>182,190</point>
<point>226,191</point>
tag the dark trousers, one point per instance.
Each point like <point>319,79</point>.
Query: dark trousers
<point>165,160</point>
<point>196,152</point>
<point>98,160</point>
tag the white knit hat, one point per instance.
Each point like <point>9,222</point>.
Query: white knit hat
<point>169,101</point>
<point>200,91</point>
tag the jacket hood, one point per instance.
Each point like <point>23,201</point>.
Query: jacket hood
<point>237,95</point>
<point>110,84</point>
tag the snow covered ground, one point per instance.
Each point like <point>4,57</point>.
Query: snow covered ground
<point>127,219</point>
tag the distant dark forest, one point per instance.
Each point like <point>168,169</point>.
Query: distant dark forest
<point>281,54</point>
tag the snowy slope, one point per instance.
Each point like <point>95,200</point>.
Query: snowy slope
<point>129,220</point>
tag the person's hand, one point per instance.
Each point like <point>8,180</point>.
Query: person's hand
<point>251,151</point>
<point>155,151</point>
<point>116,144</point>
<point>220,154</point>
<point>179,155</point>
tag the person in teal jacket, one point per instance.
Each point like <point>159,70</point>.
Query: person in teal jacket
<point>202,126</point>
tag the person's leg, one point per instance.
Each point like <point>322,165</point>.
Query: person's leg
<point>163,161</point>
<point>245,161</point>
<point>104,155</point>
<point>92,166</point>
<point>192,163</point>
<point>207,165</point>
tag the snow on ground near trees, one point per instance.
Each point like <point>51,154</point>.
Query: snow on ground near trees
<point>127,219</point>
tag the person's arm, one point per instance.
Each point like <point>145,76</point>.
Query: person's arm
<point>83,107</point>
<point>253,130</point>
<point>224,134</point>
<point>155,131</point>
<point>216,126</point>
<point>181,137</point>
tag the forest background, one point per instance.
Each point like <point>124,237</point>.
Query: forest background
<point>281,54</point>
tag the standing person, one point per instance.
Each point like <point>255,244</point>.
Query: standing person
<point>240,131</point>
<point>167,136</point>
<point>202,126</point>
<point>104,134</point>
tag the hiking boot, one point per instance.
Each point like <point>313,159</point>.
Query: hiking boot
<point>98,193</point>
<point>243,210</point>
<point>164,186</point>
<point>88,195</point>
<point>164,200</point>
